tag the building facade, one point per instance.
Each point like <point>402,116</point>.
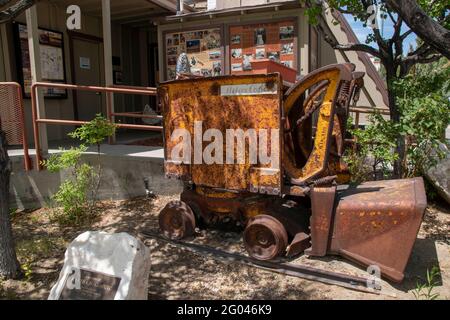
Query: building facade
<point>137,42</point>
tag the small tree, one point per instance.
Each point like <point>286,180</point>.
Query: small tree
<point>95,132</point>
<point>9,266</point>
<point>74,194</point>
<point>390,49</point>
<point>373,153</point>
<point>423,98</point>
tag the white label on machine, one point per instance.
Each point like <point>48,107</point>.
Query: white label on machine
<point>250,89</point>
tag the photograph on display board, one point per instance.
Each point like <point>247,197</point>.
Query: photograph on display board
<point>286,32</point>
<point>172,73</point>
<point>215,55</point>
<point>260,53</point>
<point>247,63</point>
<point>260,36</point>
<point>207,72</point>
<point>172,60</point>
<point>217,68</point>
<point>193,46</point>
<point>236,67</point>
<point>196,71</point>
<point>195,61</point>
<point>176,39</point>
<point>236,53</point>
<point>287,48</point>
<point>236,39</point>
<point>172,51</point>
<point>274,56</point>
<point>212,39</point>
<point>289,64</point>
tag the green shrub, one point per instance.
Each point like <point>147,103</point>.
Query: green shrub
<point>72,196</point>
<point>95,132</point>
<point>77,196</point>
<point>373,154</point>
<point>423,98</point>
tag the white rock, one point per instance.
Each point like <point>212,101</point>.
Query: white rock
<point>439,175</point>
<point>123,259</point>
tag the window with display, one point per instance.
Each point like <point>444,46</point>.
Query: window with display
<point>274,41</point>
<point>203,48</point>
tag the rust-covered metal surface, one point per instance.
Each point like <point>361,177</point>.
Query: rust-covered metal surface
<point>377,223</point>
<point>326,81</point>
<point>322,203</point>
<point>301,206</point>
<point>223,103</point>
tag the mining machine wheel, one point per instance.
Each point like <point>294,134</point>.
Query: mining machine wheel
<point>177,221</point>
<point>265,238</point>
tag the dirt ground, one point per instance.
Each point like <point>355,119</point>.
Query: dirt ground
<point>180,274</point>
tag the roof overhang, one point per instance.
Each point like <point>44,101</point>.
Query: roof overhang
<point>233,11</point>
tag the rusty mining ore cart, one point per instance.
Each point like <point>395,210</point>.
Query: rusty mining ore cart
<point>304,205</point>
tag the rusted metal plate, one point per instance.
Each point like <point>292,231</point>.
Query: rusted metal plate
<point>322,201</point>
<point>301,242</point>
<point>377,224</point>
<point>224,103</point>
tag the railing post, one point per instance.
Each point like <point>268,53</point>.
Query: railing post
<point>36,72</point>
<point>107,52</point>
<point>35,117</point>
<point>109,114</point>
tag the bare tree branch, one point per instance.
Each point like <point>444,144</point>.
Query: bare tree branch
<point>406,34</point>
<point>358,47</point>
<point>420,59</point>
<point>346,47</point>
<point>424,26</point>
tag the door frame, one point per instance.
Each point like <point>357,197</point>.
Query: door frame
<point>73,35</point>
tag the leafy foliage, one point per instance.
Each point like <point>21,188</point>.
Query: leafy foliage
<point>65,160</point>
<point>72,196</point>
<point>374,153</point>
<point>424,291</point>
<point>94,132</point>
<point>389,48</point>
<point>76,197</point>
<point>423,98</point>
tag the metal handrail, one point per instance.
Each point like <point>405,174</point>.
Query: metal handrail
<point>110,115</point>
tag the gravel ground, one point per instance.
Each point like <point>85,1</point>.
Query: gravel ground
<point>180,274</point>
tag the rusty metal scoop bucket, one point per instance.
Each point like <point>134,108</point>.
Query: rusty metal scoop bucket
<point>374,224</point>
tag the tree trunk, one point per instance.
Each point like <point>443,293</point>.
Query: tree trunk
<point>427,28</point>
<point>400,149</point>
<point>9,266</point>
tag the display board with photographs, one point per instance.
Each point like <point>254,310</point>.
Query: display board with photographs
<point>274,41</point>
<point>203,48</point>
<point>52,60</point>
